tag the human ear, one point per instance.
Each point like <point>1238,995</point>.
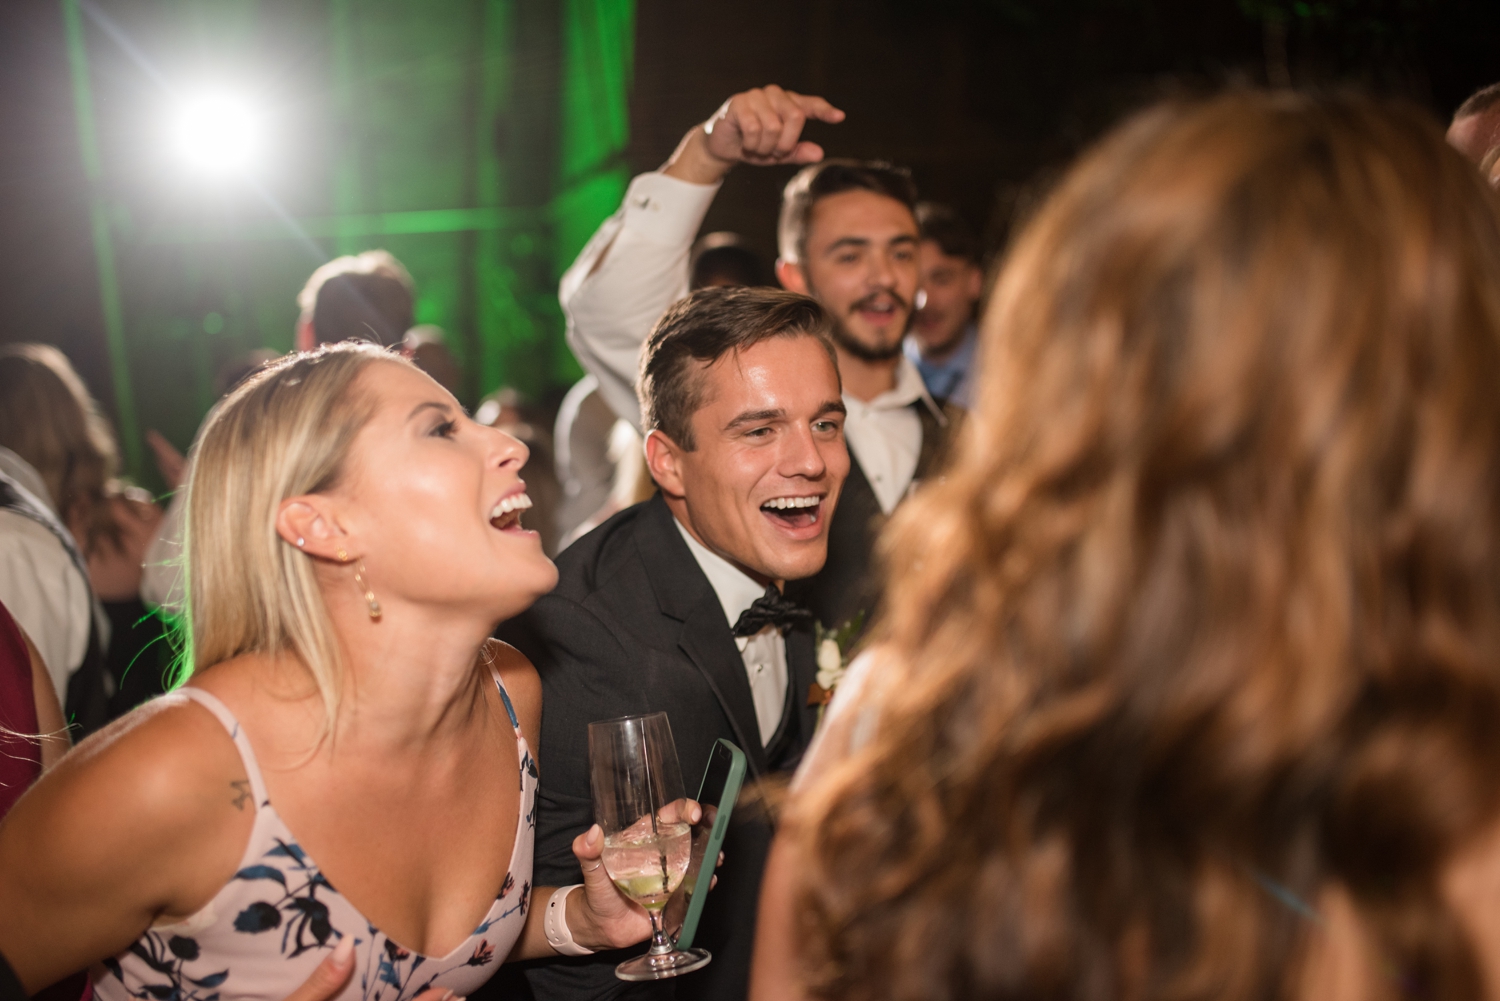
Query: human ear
<point>307,523</point>
<point>664,459</point>
<point>976,282</point>
<point>790,274</point>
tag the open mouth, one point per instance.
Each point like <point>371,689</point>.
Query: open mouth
<point>794,512</point>
<point>878,310</point>
<point>506,515</point>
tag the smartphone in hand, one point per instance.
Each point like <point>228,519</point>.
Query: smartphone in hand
<point>722,780</point>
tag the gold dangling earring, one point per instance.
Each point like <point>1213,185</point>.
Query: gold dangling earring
<point>340,555</point>
<point>359,578</point>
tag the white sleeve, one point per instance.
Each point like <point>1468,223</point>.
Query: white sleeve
<point>46,594</point>
<point>612,305</point>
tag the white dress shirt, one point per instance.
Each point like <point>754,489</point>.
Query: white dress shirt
<point>885,435</point>
<point>612,306</point>
<point>764,653</point>
<point>40,585</point>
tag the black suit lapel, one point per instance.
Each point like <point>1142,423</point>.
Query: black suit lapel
<point>798,719</point>
<point>802,671</point>
<point>683,593</point>
<point>710,645</point>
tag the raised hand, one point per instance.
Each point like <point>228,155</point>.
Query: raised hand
<point>761,126</point>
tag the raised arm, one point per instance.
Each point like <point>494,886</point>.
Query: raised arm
<point>635,266</point>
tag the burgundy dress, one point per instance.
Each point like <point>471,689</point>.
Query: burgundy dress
<point>20,756</point>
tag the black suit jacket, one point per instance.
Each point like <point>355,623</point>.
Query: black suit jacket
<point>635,627</point>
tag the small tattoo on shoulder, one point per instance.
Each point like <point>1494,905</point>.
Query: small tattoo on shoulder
<point>242,795</point>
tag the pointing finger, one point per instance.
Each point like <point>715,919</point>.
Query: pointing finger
<point>815,107</point>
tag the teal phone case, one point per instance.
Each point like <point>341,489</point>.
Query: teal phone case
<point>731,794</point>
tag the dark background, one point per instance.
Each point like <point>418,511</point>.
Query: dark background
<point>983,99</point>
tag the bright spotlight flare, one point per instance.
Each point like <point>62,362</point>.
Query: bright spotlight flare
<point>218,133</point>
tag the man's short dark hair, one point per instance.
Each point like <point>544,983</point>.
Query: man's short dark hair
<point>725,259</point>
<point>698,331</point>
<point>363,297</point>
<point>370,307</point>
<point>943,226</point>
<point>832,177</point>
<point>1480,101</point>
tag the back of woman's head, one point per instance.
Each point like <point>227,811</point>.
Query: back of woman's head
<point>1205,617</point>
<point>48,418</point>
<point>284,432</point>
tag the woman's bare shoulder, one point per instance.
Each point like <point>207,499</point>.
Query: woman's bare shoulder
<point>160,755</point>
<point>175,795</point>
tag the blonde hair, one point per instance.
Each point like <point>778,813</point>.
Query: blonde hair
<point>283,433</point>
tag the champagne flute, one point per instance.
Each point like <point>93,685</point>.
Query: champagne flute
<point>640,804</point>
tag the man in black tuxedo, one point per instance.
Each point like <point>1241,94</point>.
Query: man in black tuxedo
<point>674,605</point>
<point>848,237</point>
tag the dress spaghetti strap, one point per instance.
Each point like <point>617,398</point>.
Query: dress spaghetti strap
<point>236,733</point>
<point>510,710</point>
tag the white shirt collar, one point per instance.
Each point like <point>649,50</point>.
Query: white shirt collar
<point>735,590</point>
<point>909,388</point>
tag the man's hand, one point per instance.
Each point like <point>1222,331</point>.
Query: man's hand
<point>761,126</point>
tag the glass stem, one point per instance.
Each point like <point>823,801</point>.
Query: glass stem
<point>660,944</point>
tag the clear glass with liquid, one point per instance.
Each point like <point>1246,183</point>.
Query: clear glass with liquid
<point>640,804</point>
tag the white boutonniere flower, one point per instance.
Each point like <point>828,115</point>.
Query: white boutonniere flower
<point>833,648</point>
<point>830,664</point>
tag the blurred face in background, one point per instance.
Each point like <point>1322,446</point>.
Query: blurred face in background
<point>951,287</point>
<point>861,264</point>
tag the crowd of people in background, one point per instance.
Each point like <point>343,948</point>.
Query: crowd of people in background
<point>1160,548</point>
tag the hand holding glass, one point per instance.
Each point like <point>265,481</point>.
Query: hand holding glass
<point>640,804</point>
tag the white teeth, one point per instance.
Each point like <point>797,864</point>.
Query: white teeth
<point>515,502</point>
<point>783,503</point>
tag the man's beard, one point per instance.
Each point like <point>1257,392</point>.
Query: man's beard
<point>859,349</point>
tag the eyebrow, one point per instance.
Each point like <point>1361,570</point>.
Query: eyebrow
<point>846,241</point>
<point>754,417</point>
<point>429,404</point>
<point>833,407</point>
<point>759,416</point>
<point>862,241</point>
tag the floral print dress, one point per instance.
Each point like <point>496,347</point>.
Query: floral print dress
<point>271,925</point>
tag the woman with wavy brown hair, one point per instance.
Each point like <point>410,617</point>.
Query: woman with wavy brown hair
<point>1189,685</point>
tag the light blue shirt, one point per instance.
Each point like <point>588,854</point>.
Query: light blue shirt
<point>952,379</point>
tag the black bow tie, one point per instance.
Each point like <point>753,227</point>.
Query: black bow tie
<point>770,609</point>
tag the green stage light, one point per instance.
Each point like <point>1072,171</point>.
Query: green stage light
<point>218,133</point>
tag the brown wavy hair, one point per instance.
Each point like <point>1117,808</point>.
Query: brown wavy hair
<point>48,418</point>
<point>1204,620</point>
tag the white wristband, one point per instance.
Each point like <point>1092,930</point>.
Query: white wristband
<point>555,924</point>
